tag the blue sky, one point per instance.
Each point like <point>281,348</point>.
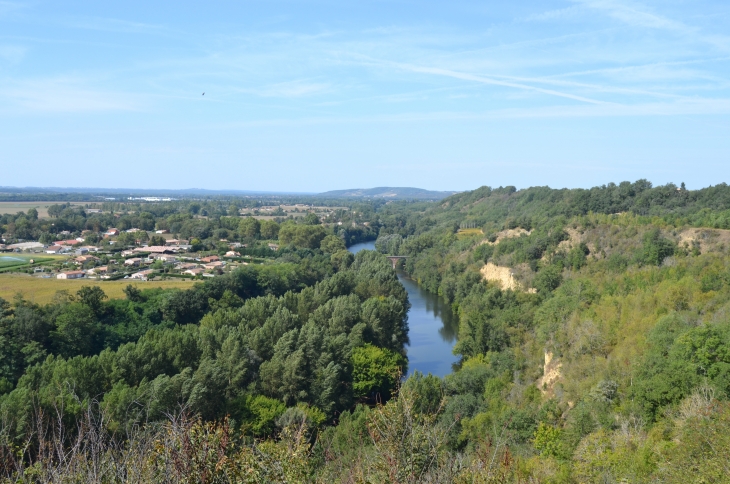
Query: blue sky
<point>319,95</point>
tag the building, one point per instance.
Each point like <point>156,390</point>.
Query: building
<point>85,258</point>
<point>112,232</point>
<point>82,251</point>
<point>273,247</point>
<point>143,275</point>
<point>70,275</point>
<point>194,272</point>
<point>55,249</point>
<point>214,265</point>
<point>99,270</point>
<point>126,253</point>
<point>210,258</point>
<point>69,242</point>
<point>232,253</point>
<point>186,266</point>
<point>162,231</point>
<point>154,249</point>
<point>166,258</point>
<point>134,262</point>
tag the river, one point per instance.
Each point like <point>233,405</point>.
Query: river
<point>432,326</point>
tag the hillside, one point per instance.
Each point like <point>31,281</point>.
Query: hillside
<point>393,193</point>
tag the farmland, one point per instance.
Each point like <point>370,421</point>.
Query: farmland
<point>42,207</point>
<point>41,291</point>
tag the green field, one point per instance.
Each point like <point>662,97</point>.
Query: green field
<point>41,291</point>
<point>42,207</point>
<point>13,260</point>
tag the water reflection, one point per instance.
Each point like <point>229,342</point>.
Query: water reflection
<point>432,326</point>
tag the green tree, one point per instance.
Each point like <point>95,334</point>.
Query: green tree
<point>77,331</point>
<point>249,228</point>
<point>332,244</point>
<point>92,297</point>
<point>375,371</point>
<point>269,230</point>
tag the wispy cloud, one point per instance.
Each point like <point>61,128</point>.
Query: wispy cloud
<point>635,14</point>
<point>64,96</point>
<point>12,53</point>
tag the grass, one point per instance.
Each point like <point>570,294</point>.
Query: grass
<point>42,207</point>
<point>464,233</point>
<point>41,291</point>
<point>11,261</point>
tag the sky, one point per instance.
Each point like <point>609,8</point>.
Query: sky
<point>308,96</point>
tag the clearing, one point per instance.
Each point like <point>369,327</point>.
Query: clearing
<point>41,291</point>
<point>42,207</point>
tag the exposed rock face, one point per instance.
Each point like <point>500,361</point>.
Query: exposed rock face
<point>507,234</point>
<point>504,276</point>
<point>551,373</point>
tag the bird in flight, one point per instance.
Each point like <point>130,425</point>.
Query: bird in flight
<point>203,94</point>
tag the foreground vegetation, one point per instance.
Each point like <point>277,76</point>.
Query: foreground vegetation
<point>602,355</point>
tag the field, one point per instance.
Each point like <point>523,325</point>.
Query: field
<point>42,207</point>
<point>463,233</point>
<point>41,291</point>
<point>8,260</point>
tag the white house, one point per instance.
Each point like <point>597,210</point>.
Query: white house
<point>70,275</point>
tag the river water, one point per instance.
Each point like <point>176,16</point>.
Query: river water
<point>432,326</point>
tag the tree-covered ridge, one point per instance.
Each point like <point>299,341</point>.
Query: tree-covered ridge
<point>609,362</point>
<point>244,345</point>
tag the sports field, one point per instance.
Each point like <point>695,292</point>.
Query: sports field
<point>41,290</point>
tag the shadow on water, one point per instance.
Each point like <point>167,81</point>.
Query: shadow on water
<point>432,326</point>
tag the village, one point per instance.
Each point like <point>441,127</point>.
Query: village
<point>153,256</point>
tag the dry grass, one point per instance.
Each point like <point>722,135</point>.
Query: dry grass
<point>42,207</point>
<point>464,233</point>
<point>41,291</point>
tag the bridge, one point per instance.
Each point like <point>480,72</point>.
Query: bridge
<point>395,258</point>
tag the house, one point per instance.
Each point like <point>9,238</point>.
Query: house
<point>99,270</point>
<point>232,253</point>
<point>69,242</point>
<point>143,275</point>
<point>133,230</point>
<point>93,210</point>
<point>85,258</point>
<point>111,232</point>
<point>214,265</point>
<point>55,249</point>
<point>134,262</point>
<point>90,248</point>
<point>154,249</point>
<point>164,231</point>
<point>126,253</point>
<point>82,251</point>
<point>274,246</point>
<point>186,266</point>
<point>70,275</point>
<point>194,272</point>
<point>166,258</point>
<point>210,258</point>
<point>178,242</point>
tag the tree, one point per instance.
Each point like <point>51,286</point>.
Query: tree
<point>249,228</point>
<point>76,331</point>
<point>157,240</point>
<point>269,230</point>
<point>375,371</point>
<point>33,214</point>
<point>307,236</point>
<point>93,297</point>
<point>133,294</point>
<point>332,244</point>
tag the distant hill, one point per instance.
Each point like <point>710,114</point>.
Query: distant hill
<point>394,193</point>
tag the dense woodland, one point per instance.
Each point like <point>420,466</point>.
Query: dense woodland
<point>608,359</point>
